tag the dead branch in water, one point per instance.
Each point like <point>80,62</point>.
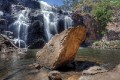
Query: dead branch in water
<point>6,38</point>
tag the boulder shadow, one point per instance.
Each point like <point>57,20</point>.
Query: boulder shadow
<point>77,66</point>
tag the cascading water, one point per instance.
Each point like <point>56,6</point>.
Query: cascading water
<point>68,22</point>
<point>51,20</point>
<point>20,28</point>
<point>25,31</point>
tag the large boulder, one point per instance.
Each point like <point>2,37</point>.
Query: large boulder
<point>62,48</point>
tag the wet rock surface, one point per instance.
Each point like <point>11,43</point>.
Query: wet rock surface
<point>55,75</point>
<point>117,68</point>
<point>24,69</point>
<point>109,75</point>
<point>62,48</point>
<point>5,46</point>
<point>102,76</point>
<point>73,77</point>
<point>94,70</point>
<point>42,75</point>
<point>34,66</point>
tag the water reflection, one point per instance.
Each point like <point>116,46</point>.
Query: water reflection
<point>108,58</point>
<point>12,64</point>
<point>13,67</point>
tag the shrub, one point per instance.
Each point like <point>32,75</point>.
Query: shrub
<point>102,13</point>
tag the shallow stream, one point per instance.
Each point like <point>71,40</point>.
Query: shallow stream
<point>14,67</point>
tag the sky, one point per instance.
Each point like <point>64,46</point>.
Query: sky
<point>52,2</point>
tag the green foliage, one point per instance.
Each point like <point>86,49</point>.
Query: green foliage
<point>102,10</point>
<point>103,31</point>
<point>114,3</point>
<point>113,44</point>
<point>96,43</point>
<point>103,14</point>
<point>72,4</point>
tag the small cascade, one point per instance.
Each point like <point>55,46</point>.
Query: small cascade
<point>45,6</point>
<point>68,22</point>
<point>20,28</point>
<point>32,25</point>
<point>51,17</point>
<point>50,20</point>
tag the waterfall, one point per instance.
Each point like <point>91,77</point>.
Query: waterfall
<point>20,28</point>
<point>24,34</point>
<point>51,18</point>
<point>68,22</point>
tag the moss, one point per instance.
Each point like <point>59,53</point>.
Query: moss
<point>96,43</point>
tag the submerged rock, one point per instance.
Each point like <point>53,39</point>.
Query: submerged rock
<point>62,48</point>
<point>112,75</point>
<point>34,66</point>
<point>117,68</point>
<point>54,75</point>
<point>73,77</point>
<point>94,70</point>
<point>42,75</point>
<point>109,75</point>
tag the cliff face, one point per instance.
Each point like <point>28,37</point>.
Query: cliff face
<point>31,26</point>
<point>113,28</point>
<point>94,30</point>
<point>62,48</point>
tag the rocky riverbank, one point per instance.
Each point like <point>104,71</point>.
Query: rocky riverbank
<point>110,39</point>
<point>8,48</point>
<point>88,63</point>
<point>70,72</point>
<point>109,75</point>
<point>5,45</point>
<point>92,73</point>
<point>114,44</point>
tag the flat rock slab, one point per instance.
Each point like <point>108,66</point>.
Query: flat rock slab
<point>109,75</point>
<point>62,48</point>
<point>94,70</point>
<point>114,75</point>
